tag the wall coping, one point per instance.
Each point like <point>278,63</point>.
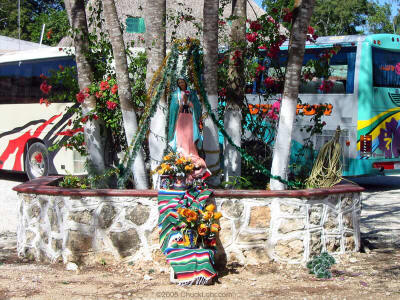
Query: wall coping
<point>43,185</point>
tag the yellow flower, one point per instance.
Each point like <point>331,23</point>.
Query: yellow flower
<point>210,207</point>
<point>202,229</point>
<point>189,167</point>
<point>190,215</point>
<point>215,228</point>
<point>167,157</point>
<point>179,161</point>
<point>207,215</point>
<point>217,215</point>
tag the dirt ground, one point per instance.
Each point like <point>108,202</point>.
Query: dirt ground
<point>373,275</point>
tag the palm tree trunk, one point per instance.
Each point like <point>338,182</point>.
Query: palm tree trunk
<point>235,90</point>
<point>280,159</point>
<point>124,89</point>
<point>210,43</point>
<point>94,143</point>
<point>155,18</point>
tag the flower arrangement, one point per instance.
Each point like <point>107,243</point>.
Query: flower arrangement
<point>175,164</point>
<point>199,228</point>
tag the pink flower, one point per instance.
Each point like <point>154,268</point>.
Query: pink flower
<point>271,20</point>
<point>111,105</point>
<point>326,86</point>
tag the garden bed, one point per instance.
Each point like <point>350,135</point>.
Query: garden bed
<point>87,226</point>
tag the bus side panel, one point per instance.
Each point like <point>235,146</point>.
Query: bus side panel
<point>32,122</point>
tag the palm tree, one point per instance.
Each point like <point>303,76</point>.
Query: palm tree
<point>235,89</point>
<point>210,44</point>
<point>155,18</point>
<point>287,114</point>
<point>124,89</point>
<point>94,143</point>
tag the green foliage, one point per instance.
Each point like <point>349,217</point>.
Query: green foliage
<point>89,181</point>
<point>320,265</point>
<point>379,18</point>
<point>33,14</point>
<point>238,183</point>
<point>71,181</point>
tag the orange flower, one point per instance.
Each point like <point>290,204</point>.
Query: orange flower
<point>217,215</point>
<point>215,228</point>
<point>202,229</point>
<point>210,207</point>
<point>190,215</point>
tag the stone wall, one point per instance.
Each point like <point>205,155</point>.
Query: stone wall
<point>55,225</point>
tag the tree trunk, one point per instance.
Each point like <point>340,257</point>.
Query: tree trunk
<point>210,42</point>
<point>92,128</point>
<point>124,89</point>
<point>155,18</point>
<point>287,114</point>
<point>235,90</point>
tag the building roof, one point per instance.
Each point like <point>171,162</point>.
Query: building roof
<point>135,8</point>
<point>8,44</point>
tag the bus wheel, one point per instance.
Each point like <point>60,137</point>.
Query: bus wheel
<point>37,161</point>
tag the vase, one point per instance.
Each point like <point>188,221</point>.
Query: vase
<point>190,238</point>
<point>180,183</point>
<point>165,182</point>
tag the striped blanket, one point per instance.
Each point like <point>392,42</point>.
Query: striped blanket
<point>190,266</point>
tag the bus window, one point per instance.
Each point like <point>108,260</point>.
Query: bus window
<point>386,68</point>
<point>342,68</point>
<point>20,81</point>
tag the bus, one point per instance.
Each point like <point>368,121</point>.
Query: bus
<point>27,127</point>
<point>364,101</point>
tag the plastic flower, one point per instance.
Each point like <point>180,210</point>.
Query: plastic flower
<point>210,207</point>
<point>202,229</point>
<point>215,228</point>
<point>217,215</point>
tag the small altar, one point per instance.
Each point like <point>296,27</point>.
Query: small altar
<point>86,226</point>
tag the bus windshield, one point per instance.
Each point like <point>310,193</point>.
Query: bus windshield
<point>386,68</point>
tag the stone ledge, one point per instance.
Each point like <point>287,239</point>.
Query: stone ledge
<point>45,185</point>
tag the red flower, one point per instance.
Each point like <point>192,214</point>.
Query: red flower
<point>45,101</point>
<point>60,49</point>
<point>49,33</point>
<point>99,95</point>
<point>288,16</point>
<point>61,67</point>
<point>114,89</point>
<point>111,105</point>
<point>221,22</point>
<point>43,77</point>
<point>255,26</point>
<point>222,92</point>
<point>269,82</point>
<point>187,93</point>
<point>80,97</point>
<point>326,86</point>
<point>95,117</point>
<point>273,51</point>
<point>310,30</point>
<point>347,143</point>
<point>251,37</point>
<point>271,20</point>
<point>104,85</point>
<point>45,88</point>
<point>84,119</point>
<point>259,69</point>
<point>39,158</point>
<point>87,91</point>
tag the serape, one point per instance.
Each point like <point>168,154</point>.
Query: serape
<point>190,266</point>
